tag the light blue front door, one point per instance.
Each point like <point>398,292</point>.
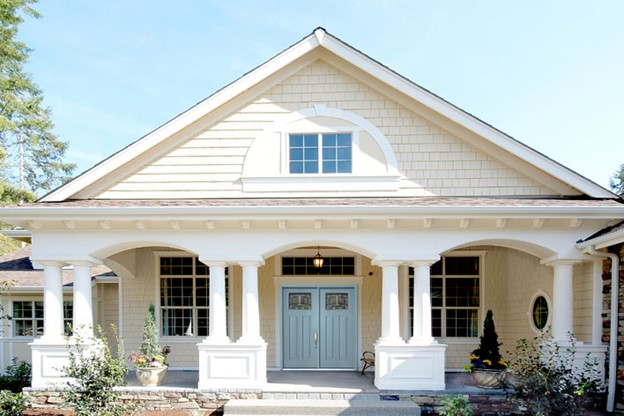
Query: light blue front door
<point>319,327</point>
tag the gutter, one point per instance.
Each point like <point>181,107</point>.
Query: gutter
<point>615,290</point>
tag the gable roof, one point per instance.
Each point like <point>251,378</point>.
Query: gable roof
<point>607,237</point>
<point>16,267</point>
<point>319,38</point>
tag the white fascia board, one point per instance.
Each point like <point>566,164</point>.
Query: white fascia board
<point>299,212</point>
<point>603,241</point>
<point>465,119</point>
<point>183,120</point>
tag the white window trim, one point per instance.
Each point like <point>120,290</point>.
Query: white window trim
<point>32,299</point>
<point>172,339</point>
<point>535,329</point>
<point>456,340</point>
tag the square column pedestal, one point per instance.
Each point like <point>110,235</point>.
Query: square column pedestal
<point>48,360</point>
<point>409,367</point>
<point>234,365</point>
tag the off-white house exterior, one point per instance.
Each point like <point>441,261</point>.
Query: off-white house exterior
<point>420,209</point>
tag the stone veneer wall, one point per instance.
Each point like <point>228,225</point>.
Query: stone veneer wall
<point>212,402</point>
<point>606,322</point>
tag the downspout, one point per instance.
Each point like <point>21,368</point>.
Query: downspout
<point>615,290</point>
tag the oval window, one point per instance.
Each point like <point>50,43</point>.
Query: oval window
<point>540,312</point>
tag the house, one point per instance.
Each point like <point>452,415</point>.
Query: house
<point>424,218</point>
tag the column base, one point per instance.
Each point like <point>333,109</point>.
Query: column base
<point>422,341</point>
<point>409,367</point>
<point>390,341</point>
<point>49,357</point>
<point>232,365</point>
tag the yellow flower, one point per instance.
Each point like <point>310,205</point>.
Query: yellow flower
<point>473,357</point>
<point>488,362</point>
<point>159,358</point>
<point>502,362</point>
<point>141,360</point>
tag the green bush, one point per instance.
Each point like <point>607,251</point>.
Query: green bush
<point>546,380</point>
<point>455,405</point>
<point>16,376</point>
<point>95,373</point>
<point>12,404</point>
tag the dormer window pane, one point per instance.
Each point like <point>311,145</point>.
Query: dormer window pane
<point>333,156</point>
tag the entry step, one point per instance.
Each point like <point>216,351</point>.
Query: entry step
<point>268,407</point>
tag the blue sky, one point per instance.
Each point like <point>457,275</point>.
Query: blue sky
<point>548,73</point>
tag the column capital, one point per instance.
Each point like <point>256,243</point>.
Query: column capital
<point>424,262</point>
<point>88,263</point>
<point>251,263</point>
<point>51,263</point>
<point>557,261</point>
<point>386,263</point>
<point>213,263</point>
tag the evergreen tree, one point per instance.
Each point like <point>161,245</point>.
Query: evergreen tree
<point>617,181</point>
<point>488,345</point>
<point>150,346</point>
<point>25,124</point>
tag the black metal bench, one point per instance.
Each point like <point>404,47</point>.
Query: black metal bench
<point>368,360</point>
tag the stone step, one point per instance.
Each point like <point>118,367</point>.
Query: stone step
<point>269,407</point>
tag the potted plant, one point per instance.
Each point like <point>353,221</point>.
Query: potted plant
<point>486,364</point>
<point>150,361</point>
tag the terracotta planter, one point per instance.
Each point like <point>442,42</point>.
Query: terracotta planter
<point>488,379</point>
<point>151,376</point>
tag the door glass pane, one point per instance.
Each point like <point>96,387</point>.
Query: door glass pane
<point>299,301</point>
<point>336,301</point>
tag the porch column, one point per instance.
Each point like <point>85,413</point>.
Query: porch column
<point>251,310</point>
<point>83,305</point>
<point>563,300</point>
<point>218,312</point>
<point>53,301</point>
<point>390,311</point>
<point>421,333</point>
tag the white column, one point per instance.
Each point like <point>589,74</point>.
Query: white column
<point>53,301</point>
<point>83,305</point>
<point>421,333</point>
<point>251,310</point>
<point>563,300</point>
<point>218,315</point>
<point>390,304</point>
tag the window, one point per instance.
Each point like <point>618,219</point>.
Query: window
<point>27,318</point>
<point>455,296</point>
<point>325,153</point>
<point>184,296</point>
<point>539,313</point>
<point>302,266</point>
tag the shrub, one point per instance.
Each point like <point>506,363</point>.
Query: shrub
<point>16,376</point>
<point>547,382</point>
<point>12,404</point>
<point>455,405</point>
<point>95,372</point>
<point>487,356</point>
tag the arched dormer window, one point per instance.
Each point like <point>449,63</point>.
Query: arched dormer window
<point>320,149</point>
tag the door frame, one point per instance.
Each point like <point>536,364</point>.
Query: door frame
<point>282,283</point>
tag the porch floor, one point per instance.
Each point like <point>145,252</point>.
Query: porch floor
<point>313,382</point>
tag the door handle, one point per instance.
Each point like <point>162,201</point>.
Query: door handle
<point>315,337</point>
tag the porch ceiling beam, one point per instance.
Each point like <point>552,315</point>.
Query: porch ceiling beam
<point>355,224</point>
<point>390,223</point>
<point>35,224</point>
<point>140,225</point>
<point>538,223</point>
<point>464,222</point>
<point>281,225</point>
<point>210,225</point>
<point>427,222</point>
<point>246,225</point>
<point>501,222</point>
<point>575,222</point>
<point>175,225</point>
<point>106,225</point>
<point>318,224</point>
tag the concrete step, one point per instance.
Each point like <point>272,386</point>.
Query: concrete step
<point>270,407</point>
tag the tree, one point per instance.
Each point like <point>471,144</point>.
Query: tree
<point>617,181</point>
<point>35,154</point>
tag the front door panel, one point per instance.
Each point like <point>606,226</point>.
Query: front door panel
<point>338,335</point>
<point>300,325</point>
<point>319,327</point>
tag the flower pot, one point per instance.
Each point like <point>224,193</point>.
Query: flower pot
<point>488,379</point>
<point>151,376</point>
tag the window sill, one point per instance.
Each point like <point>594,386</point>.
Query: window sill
<point>307,183</point>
